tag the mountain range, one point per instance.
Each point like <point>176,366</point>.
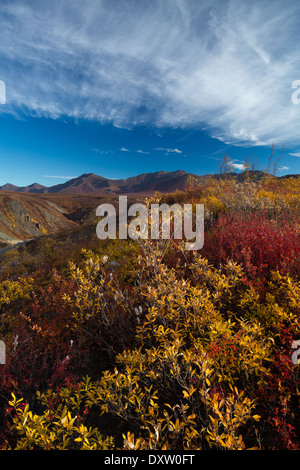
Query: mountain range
<point>89,183</point>
<point>146,183</point>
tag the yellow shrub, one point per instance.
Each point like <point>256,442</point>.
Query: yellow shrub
<point>54,430</point>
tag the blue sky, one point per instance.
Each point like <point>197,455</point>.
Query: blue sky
<point>120,88</point>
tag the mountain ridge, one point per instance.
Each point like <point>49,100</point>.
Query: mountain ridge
<point>144,183</point>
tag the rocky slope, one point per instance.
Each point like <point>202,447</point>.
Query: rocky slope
<point>24,216</point>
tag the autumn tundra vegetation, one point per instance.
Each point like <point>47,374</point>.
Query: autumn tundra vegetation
<point>141,344</point>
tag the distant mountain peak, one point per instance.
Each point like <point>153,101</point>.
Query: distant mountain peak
<point>9,187</point>
<point>36,185</point>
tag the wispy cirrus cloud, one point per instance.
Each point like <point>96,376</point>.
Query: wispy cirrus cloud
<point>283,168</point>
<point>168,150</point>
<point>215,65</point>
<point>123,149</point>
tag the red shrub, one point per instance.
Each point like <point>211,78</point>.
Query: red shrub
<point>258,243</point>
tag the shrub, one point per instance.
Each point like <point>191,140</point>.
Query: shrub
<point>260,245</point>
<point>141,345</point>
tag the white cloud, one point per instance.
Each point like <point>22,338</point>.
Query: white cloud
<point>238,166</point>
<point>295,154</point>
<point>215,65</point>
<point>167,150</point>
<point>123,149</point>
<point>282,168</point>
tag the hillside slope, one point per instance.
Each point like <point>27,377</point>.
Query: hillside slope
<point>23,216</point>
